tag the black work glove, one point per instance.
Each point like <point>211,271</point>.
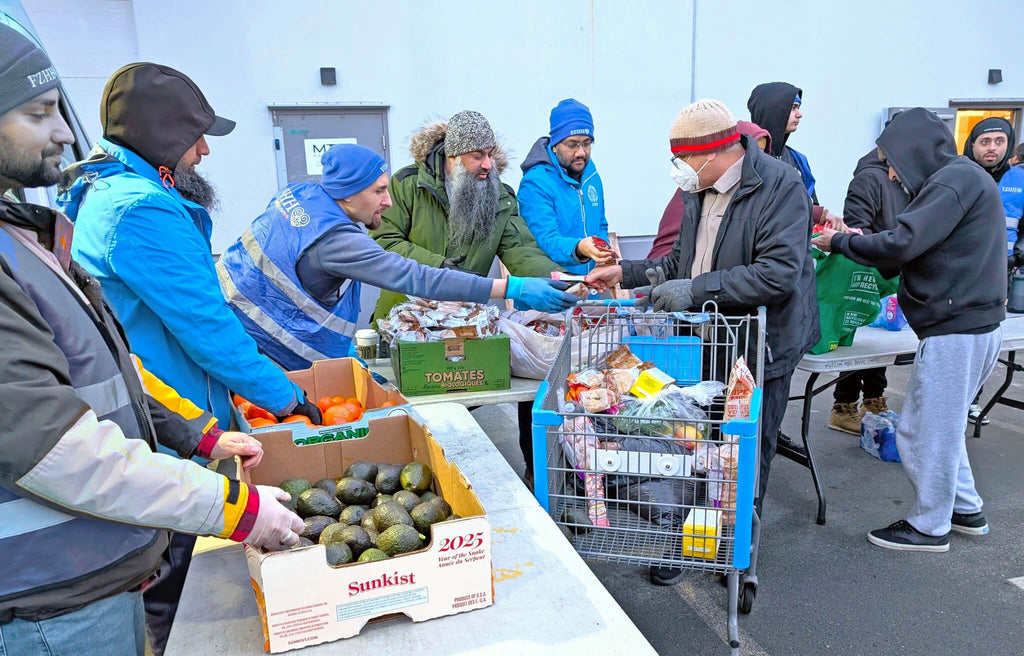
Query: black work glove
<point>453,262</point>
<point>673,296</point>
<point>656,277</point>
<point>306,408</point>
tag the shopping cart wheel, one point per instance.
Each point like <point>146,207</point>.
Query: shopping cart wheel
<point>748,590</point>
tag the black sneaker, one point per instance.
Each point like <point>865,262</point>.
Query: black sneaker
<point>666,575</point>
<point>904,537</point>
<point>972,524</point>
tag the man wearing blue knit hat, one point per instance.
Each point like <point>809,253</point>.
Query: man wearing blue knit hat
<point>561,197</point>
<point>293,278</point>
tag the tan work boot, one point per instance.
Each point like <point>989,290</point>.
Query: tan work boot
<point>876,406</point>
<point>845,417</point>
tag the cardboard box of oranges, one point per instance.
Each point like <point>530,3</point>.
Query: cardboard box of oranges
<point>347,395</point>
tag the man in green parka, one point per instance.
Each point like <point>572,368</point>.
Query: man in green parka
<point>451,210</point>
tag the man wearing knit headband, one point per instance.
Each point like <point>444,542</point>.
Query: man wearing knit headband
<point>744,241</point>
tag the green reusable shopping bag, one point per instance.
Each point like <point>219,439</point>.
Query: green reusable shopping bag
<point>849,296</point>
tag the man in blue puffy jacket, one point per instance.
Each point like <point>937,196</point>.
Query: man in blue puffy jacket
<point>561,197</point>
<point>143,229</point>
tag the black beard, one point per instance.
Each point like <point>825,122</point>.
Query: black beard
<point>472,206</point>
<point>194,187</point>
<point>23,171</point>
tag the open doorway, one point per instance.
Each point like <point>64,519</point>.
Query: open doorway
<point>966,119</point>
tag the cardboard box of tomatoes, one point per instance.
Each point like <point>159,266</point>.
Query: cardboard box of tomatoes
<point>347,395</point>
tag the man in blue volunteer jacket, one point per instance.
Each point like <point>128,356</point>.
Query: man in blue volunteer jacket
<point>293,278</point>
<point>561,197</point>
<point>142,228</point>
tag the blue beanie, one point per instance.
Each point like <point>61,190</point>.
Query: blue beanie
<point>350,168</point>
<point>570,118</point>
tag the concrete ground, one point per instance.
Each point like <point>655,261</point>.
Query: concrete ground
<point>825,589</point>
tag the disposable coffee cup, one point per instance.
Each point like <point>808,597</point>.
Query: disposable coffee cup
<point>366,343</point>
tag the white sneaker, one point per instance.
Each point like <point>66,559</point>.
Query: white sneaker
<point>974,413</point>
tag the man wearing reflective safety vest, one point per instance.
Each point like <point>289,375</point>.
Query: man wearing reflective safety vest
<point>293,278</point>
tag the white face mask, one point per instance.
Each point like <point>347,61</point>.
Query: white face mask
<point>685,177</point>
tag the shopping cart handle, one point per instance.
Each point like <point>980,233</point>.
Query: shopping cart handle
<point>624,302</point>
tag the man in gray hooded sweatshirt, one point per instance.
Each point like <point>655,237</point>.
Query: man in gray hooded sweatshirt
<point>948,245</point>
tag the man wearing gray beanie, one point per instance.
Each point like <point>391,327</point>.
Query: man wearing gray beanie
<point>86,500</point>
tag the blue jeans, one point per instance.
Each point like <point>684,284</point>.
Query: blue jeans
<point>114,626</point>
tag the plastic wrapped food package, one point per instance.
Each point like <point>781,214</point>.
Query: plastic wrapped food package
<point>579,443</point>
<point>421,320</point>
<point>722,464</point>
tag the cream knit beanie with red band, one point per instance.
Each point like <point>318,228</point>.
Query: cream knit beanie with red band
<point>706,126</point>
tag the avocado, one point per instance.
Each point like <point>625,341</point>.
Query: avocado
<point>379,499</point>
<point>355,491</point>
<point>426,514</point>
<point>362,469</point>
<point>352,514</point>
<point>332,533</point>
<point>400,539</point>
<point>416,477</point>
<point>390,513</point>
<point>295,486</point>
<point>355,537</point>
<point>409,500</point>
<point>427,496</point>
<point>315,501</point>
<point>303,542</point>
<point>338,554</point>
<point>372,554</point>
<point>389,478</point>
<point>327,484</point>
<point>290,505</point>
<point>442,504</point>
<point>314,525</point>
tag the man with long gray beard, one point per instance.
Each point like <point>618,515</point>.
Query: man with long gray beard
<point>451,210</point>
<point>142,227</point>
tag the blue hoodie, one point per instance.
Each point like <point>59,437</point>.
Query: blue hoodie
<point>559,210</point>
<point>150,249</point>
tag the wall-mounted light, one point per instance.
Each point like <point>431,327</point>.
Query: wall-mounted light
<point>329,76</point>
<point>995,75</point>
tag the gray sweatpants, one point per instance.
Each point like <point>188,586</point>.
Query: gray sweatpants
<point>948,372</point>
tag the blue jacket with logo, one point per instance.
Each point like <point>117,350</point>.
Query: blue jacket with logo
<point>1011,189</point>
<point>150,249</point>
<point>559,210</point>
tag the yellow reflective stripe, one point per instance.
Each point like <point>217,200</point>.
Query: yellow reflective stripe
<point>233,508</point>
<point>169,397</point>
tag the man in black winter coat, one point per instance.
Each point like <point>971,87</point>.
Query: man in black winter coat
<point>873,201</point>
<point>743,242</point>
<point>948,245</point>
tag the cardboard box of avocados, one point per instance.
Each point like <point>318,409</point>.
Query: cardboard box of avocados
<point>345,377</point>
<point>303,601</point>
<point>452,365</point>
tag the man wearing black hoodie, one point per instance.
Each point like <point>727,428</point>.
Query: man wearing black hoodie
<point>948,244</point>
<point>873,201</point>
<point>775,106</point>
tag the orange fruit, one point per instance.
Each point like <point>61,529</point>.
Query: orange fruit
<point>354,401</point>
<point>337,414</point>
<point>324,403</point>
<point>335,400</point>
<point>260,422</point>
<point>243,408</point>
<point>388,404</point>
<point>303,418</point>
<point>237,400</point>
<point>256,411</point>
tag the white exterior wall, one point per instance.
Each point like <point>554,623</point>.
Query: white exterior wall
<point>629,61</point>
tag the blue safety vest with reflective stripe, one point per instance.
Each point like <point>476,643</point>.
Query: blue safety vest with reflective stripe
<point>42,547</point>
<point>258,278</point>
<point>1011,189</point>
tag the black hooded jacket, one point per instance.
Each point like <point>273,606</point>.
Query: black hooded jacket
<point>873,201</point>
<point>949,242</point>
<point>770,105</point>
<point>992,124</point>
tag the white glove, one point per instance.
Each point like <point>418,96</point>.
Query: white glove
<point>276,527</point>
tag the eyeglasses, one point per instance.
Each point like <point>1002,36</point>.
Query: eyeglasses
<point>679,160</point>
<point>573,146</point>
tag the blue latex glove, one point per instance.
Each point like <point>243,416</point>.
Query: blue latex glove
<point>541,294</point>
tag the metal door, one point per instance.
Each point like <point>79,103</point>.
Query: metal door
<point>303,134</point>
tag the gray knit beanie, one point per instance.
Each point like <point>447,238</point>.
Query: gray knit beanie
<point>25,70</point>
<point>467,131</point>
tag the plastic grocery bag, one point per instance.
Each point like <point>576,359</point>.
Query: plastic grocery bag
<point>878,435</point>
<point>849,296</point>
<point>891,317</point>
<point>659,414</point>
<point>532,353</point>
